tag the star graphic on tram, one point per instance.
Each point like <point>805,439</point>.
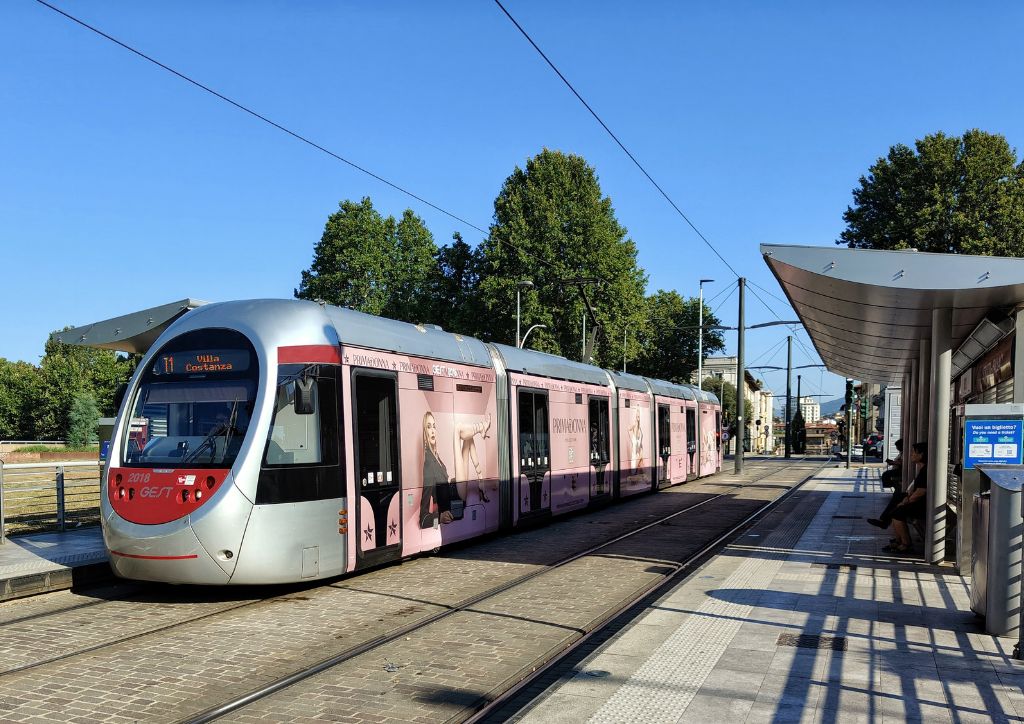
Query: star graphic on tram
<point>368,532</point>
<point>392,527</point>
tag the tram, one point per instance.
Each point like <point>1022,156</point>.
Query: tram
<point>273,441</point>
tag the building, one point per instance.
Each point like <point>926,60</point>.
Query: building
<point>810,409</point>
<point>759,432</point>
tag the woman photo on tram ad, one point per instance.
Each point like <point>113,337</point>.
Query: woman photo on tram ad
<point>447,495</point>
<point>912,506</point>
<point>636,443</point>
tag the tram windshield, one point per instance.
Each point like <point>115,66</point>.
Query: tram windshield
<point>194,403</point>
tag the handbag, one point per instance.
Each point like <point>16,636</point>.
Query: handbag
<point>456,505</point>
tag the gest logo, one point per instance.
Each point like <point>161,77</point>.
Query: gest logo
<point>156,491</point>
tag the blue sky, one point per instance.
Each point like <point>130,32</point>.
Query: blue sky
<point>123,187</point>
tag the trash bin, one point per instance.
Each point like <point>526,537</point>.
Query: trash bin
<point>979,552</point>
<point>1002,605</point>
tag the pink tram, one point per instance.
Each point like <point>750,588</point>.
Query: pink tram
<point>272,441</point>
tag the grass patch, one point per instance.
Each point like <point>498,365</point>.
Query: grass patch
<point>58,449</point>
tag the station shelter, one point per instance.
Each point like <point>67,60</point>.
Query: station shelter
<point>944,328</point>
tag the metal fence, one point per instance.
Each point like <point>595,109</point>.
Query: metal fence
<point>40,497</point>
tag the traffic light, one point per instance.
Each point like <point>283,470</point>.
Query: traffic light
<point>865,406</point>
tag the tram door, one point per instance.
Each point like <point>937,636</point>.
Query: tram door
<point>534,453</point>
<point>691,443</point>
<point>600,448</point>
<point>664,445</point>
<point>378,472</point>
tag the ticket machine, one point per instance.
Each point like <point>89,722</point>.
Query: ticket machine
<point>982,435</point>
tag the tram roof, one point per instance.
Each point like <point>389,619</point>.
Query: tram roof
<point>366,330</point>
<point>627,381</point>
<point>134,333</point>
<point>670,389</point>
<point>866,311</point>
<point>532,362</point>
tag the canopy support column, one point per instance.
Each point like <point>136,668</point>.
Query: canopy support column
<point>938,435</point>
<point>1018,354</point>
<point>910,421</point>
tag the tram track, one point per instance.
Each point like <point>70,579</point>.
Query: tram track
<point>383,597</point>
<point>473,603</point>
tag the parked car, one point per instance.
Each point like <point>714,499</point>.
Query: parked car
<point>874,445</point>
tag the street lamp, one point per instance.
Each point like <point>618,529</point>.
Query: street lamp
<point>525,284</point>
<point>700,336</point>
<point>536,326</point>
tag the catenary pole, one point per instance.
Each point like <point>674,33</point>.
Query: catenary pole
<point>740,382</point>
<point>789,393</point>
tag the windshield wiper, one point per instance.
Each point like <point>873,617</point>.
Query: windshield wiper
<point>209,443</point>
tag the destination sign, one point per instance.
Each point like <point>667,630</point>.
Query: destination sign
<point>201,362</point>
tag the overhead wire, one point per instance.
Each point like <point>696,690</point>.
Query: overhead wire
<point>616,139</point>
<point>633,158</point>
<point>297,136</point>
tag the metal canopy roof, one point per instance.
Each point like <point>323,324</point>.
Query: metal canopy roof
<point>133,332</point>
<point>866,311</point>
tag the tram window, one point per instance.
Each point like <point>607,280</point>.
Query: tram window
<point>377,431</point>
<point>304,439</point>
<point>691,430</point>
<point>718,428</point>
<point>533,429</point>
<point>664,431</point>
<point>599,417</point>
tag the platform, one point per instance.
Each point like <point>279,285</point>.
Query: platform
<point>802,619</point>
<point>41,562</point>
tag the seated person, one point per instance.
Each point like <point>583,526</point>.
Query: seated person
<point>911,506</point>
<point>891,478</point>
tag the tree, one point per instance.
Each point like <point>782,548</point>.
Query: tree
<point>726,393</point>
<point>411,270</point>
<point>552,224</point>
<point>952,195</point>
<point>798,433</point>
<point>668,347</point>
<point>453,288</point>
<point>67,370</point>
<point>19,391</point>
<point>374,264</point>
<point>82,419</point>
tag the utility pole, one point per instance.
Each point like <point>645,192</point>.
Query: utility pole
<point>849,422</point>
<point>740,382</point>
<point>700,337</point>
<point>623,347</point>
<point>789,380</point>
<point>584,346</point>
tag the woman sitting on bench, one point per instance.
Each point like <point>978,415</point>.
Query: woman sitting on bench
<point>913,505</point>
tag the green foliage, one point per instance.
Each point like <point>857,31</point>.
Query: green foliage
<point>952,195</point>
<point>453,288</point>
<point>374,264</point>
<point>551,223</point>
<point>798,433</point>
<point>726,392</point>
<point>67,370</point>
<point>668,346</point>
<point>57,448</point>
<point>19,390</point>
<point>82,419</point>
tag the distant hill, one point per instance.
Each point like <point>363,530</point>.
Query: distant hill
<point>827,408</point>
<point>832,406</point>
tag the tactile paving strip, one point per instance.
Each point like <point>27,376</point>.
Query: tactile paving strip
<point>667,682</point>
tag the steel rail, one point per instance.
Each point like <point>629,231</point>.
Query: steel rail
<point>683,566</point>
<point>262,692</point>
